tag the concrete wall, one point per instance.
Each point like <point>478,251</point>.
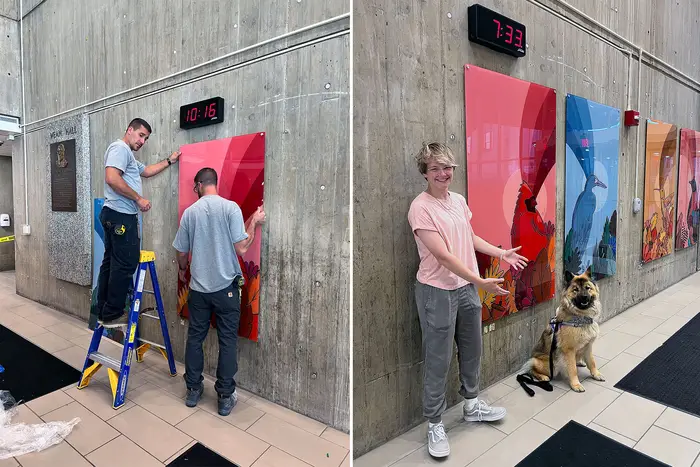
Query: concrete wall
<point>9,9</point>
<point>10,84</point>
<point>408,73</point>
<point>298,95</point>
<point>7,249</point>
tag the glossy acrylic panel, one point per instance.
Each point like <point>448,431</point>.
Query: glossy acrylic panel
<point>511,155</point>
<point>659,190</point>
<point>239,162</point>
<point>592,155</point>
<point>688,204</point>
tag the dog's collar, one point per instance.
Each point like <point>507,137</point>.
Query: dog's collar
<point>575,321</point>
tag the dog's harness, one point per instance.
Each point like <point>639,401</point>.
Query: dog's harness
<point>525,379</point>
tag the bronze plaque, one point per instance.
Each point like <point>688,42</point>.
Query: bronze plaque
<point>63,175</point>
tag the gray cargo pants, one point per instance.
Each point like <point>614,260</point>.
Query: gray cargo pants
<point>446,315</point>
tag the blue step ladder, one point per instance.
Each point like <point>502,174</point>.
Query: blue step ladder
<point>118,371</point>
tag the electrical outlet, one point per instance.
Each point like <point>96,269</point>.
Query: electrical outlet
<point>492,327</point>
<point>26,230</point>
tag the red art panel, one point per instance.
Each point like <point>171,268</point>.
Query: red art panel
<point>239,163</point>
<point>511,155</point>
<point>688,204</point>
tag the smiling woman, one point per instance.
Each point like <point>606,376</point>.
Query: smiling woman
<point>449,306</point>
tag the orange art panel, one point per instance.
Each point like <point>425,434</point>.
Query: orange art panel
<point>661,170</point>
<point>239,162</point>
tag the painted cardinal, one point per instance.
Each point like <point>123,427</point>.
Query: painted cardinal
<point>537,158</point>
<point>529,230</point>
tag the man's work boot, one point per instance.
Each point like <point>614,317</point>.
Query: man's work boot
<point>226,404</point>
<point>194,395</point>
<point>119,322</point>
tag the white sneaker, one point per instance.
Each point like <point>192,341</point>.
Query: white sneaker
<point>438,446</point>
<point>482,412</point>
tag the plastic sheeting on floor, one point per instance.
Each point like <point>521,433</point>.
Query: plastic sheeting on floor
<point>20,438</point>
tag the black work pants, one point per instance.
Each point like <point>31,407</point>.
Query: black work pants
<point>122,253</point>
<point>226,304</point>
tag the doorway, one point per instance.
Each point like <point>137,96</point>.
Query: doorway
<point>7,216</point>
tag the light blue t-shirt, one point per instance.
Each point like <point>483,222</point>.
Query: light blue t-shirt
<point>208,229</point>
<point>120,156</point>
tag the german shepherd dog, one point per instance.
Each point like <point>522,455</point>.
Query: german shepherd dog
<point>574,328</point>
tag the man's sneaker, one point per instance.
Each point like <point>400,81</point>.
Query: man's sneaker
<point>480,411</point>
<point>438,446</point>
<point>227,403</point>
<point>123,320</point>
<point>194,395</point>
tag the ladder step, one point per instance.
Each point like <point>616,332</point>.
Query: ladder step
<point>105,360</point>
<point>156,317</point>
<point>149,292</point>
<point>144,341</point>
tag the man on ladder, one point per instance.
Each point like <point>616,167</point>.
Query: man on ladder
<point>213,231</point>
<point>123,199</point>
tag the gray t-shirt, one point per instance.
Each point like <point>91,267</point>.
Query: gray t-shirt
<point>208,229</point>
<point>120,156</point>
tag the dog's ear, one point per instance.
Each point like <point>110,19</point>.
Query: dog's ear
<point>588,273</point>
<point>568,277</point>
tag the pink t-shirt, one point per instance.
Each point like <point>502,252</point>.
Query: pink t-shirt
<point>451,219</point>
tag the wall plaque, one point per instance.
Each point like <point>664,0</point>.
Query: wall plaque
<point>63,177</point>
<point>68,199</point>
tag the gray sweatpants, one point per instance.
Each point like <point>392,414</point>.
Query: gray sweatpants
<point>446,315</point>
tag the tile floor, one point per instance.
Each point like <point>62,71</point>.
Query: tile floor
<point>664,433</point>
<point>154,427</point>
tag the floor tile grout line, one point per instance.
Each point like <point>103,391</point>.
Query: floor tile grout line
<point>260,456</point>
<point>93,413</point>
<point>696,459</point>
<point>244,431</point>
<point>673,432</point>
<point>285,408</point>
<point>327,428</point>
<point>142,447</point>
<point>634,442</point>
<point>563,393</point>
<point>187,447</point>
<point>279,447</point>
<point>113,439</point>
<point>617,395</point>
<point>506,437</point>
<point>288,423</point>
<point>653,424</point>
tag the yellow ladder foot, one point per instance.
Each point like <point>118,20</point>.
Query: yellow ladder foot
<point>88,374</point>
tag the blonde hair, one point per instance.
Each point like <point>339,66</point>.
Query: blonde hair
<point>434,152</point>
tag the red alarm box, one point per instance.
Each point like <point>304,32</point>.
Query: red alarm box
<point>631,118</point>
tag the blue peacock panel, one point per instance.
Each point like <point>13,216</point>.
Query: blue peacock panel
<point>592,156</point>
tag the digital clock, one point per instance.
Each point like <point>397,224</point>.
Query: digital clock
<point>202,113</point>
<point>495,31</point>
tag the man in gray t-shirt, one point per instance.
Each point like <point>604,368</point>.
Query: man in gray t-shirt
<point>212,230</point>
<point>123,200</point>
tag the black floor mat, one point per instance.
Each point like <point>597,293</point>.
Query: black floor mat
<point>201,456</point>
<point>29,371</point>
<point>575,445</point>
<point>671,374</point>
